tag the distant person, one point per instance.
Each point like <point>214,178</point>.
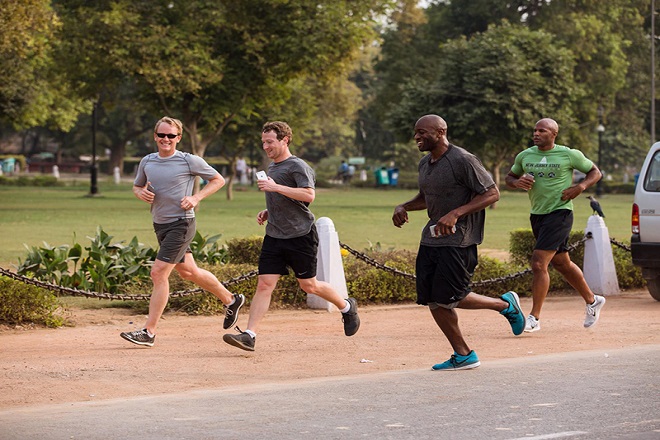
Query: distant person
<point>342,172</point>
<point>241,169</point>
<point>291,239</point>
<point>165,180</point>
<point>546,172</point>
<point>455,189</point>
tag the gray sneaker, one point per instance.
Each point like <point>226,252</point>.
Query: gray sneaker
<point>593,311</point>
<point>243,340</point>
<point>231,312</point>
<point>532,324</point>
<point>351,319</point>
<point>139,337</point>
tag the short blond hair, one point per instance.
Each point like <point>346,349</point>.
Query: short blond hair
<point>170,121</point>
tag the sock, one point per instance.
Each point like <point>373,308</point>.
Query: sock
<point>233,300</point>
<point>347,308</point>
<point>251,333</point>
<point>151,335</point>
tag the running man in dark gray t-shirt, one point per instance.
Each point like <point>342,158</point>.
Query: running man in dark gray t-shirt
<point>165,180</point>
<point>291,240</point>
<point>454,188</point>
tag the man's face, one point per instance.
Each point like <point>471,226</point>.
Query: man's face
<point>427,136</point>
<point>166,146</point>
<point>273,147</point>
<point>544,135</point>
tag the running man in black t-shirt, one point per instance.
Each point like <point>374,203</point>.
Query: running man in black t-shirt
<point>454,188</point>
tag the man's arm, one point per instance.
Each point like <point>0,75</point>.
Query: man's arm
<point>400,215</point>
<point>213,185</point>
<point>592,177</point>
<point>306,195</point>
<point>479,202</point>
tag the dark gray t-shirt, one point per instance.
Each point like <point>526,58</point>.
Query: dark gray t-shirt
<point>172,178</point>
<point>452,181</point>
<point>289,218</point>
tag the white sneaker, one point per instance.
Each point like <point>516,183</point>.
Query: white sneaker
<point>593,311</point>
<point>532,324</point>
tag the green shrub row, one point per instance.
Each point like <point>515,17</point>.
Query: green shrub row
<point>36,180</point>
<point>22,303</point>
<point>119,268</point>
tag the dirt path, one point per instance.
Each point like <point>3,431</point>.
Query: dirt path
<point>91,362</point>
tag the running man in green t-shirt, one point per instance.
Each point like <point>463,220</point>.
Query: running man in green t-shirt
<point>545,171</point>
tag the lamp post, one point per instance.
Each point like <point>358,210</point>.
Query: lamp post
<point>601,130</point>
<point>94,190</point>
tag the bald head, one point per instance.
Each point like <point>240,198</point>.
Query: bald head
<point>432,121</point>
<point>545,133</point>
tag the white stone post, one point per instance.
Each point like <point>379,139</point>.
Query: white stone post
<point>56,172</point>
<point>329,267</point>
<point>599,270</point>
<point>116,175</point>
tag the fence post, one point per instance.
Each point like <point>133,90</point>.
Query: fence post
<point>599,270</point>
<point>329,266</point>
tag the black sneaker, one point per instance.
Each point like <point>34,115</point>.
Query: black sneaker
<point>139,337</point>
<point>231,312</point>
<point>243,340</point>
<point>351,319</point>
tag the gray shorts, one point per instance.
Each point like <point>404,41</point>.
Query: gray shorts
<point>174,239</point>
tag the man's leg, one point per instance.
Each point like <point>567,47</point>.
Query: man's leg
<point>541,282</point>
<point>573,275</point>
<point>324,290</point>
<point>203,278</point>
<point>447,320</point>
<point>261,300</point>
<point>160,273</point>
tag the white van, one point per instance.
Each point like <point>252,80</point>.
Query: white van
<point>645,240</point>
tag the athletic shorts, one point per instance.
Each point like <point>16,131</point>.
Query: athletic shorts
<point>278,254</point>
<point>444,274</point>
<point>552,230</point>
<point>174,239</point>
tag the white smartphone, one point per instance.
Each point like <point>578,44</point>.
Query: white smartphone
<point>261,175</point>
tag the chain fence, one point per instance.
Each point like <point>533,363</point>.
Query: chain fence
<point>359,255</point>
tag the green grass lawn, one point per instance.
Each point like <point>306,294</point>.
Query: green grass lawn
<point>362,217</point>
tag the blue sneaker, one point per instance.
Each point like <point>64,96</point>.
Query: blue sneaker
<point>458,362</point>
<point>514,313</point>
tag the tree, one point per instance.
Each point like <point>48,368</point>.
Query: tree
<point>491,90</point>
<point>33,91</point>
<point>213,63</point>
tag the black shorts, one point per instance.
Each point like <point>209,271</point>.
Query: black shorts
<point>174,239</point>
<point>278,254</point>
<point>444,273</point>
<point>552,230</point>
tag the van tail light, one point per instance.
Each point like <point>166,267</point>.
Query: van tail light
<point>634,220</point>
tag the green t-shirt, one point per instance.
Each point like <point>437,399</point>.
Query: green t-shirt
<point>553,173</point>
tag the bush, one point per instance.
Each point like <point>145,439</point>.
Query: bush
<point>369,284</point>
<point>30,181</point>
<point>245,250</point>
<point>23,303</point>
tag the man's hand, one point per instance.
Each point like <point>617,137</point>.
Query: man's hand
<point>145,193</point>
<point>189,202</point>
<point>262,217</point>
<point>400,216</point>
<point>572,192</point>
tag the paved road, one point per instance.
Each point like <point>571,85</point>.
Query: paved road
<point>584,395</point>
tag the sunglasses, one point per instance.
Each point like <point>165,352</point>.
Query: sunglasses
<point>166,135</point>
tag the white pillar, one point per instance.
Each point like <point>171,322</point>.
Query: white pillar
<point>116,176</point>
<point>599,270</point>
<point>329,267</point>
<point>56,172</point>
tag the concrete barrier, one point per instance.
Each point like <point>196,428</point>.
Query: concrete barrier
<point>599,270</point>
<point>329,267</point>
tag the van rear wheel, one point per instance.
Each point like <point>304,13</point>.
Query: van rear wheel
<point>653,285</point>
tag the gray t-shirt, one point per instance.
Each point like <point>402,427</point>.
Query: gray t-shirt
<point>452,181</point>
<point>172,178</point>
<point>289,218</point>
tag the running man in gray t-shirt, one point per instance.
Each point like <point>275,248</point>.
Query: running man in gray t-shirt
<point>165,180</point>
<point>454,188</point>
<point>291,240</point>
